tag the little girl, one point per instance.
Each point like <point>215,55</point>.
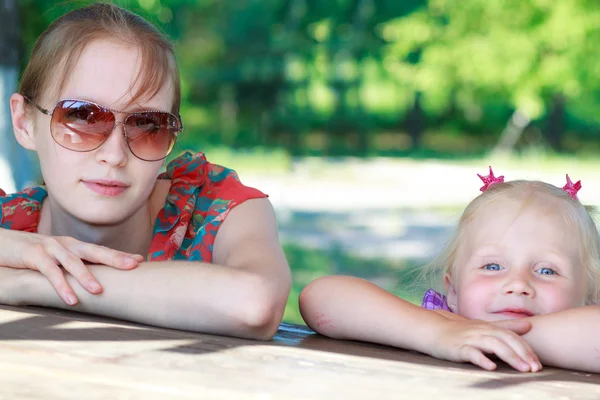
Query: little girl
<point>190,248</point>
<point>521,276</point>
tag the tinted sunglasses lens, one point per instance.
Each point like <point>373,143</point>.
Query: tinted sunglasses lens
<point>151,136</point>
<point>81,126</point>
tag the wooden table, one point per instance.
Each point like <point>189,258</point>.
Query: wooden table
<point>50,354</point>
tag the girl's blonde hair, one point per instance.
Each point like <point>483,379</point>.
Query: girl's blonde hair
<point>58,48</point>
<point>530,193</point>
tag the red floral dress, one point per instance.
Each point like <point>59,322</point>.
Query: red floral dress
<point>200,197</point>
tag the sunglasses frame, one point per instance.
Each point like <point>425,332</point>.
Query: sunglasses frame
<point>113,111</point>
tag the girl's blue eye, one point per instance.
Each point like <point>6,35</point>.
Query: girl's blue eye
<point>546,271</point>
<point>492,267</point>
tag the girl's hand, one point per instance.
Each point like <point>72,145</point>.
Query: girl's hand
<point>47,254</point>
<point>450,315</point>
<point>469,341</point>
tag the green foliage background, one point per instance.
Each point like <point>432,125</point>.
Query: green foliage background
<point>362,77</point>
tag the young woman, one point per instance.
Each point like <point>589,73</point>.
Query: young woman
<point>192,248</point>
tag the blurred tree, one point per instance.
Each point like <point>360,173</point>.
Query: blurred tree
<point>16,170</point>
<point>326,77</point>
<point>533,55</point>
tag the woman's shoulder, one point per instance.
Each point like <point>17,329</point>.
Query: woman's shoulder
<point>31,194</point>
<point>193,170</point>
<point>21,210</point>
<point>188,167</point>
<point>199,199</point>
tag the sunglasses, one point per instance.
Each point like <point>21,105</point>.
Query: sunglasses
<point>82,126</point>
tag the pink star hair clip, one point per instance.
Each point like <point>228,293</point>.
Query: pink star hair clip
<point>572,188</point>
<point>490,180</point>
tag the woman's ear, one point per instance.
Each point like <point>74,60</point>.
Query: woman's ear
<point>22,124</point>
<point>451,297</point>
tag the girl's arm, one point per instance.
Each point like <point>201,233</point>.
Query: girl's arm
<point>344,307</point>
<point>243,294</point>
<point>568,339</point>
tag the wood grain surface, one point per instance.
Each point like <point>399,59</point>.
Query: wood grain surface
<point>52,354</point>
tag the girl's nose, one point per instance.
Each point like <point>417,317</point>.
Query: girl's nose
<point>519,285</point>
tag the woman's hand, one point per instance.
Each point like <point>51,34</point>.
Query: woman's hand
<point>469,340</point>
<point>50,255</point>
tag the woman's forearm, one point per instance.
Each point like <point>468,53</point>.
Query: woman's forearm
<point>568,339</point>
<point>345,307</point>
<point>180,295</point>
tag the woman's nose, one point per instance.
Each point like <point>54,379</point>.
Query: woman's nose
<point>114,150</point>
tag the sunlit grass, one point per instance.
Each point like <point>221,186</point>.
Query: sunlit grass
<point>255,160</point>
<point>539,160</point>
<point>266,161</point>
<point>252,160</point>
<point>399,277</point>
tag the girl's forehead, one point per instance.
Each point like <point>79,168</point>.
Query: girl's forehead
<point>503,220</point>
<point>505,209</point>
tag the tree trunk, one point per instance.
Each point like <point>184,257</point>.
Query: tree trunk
<point>16,169</point>
<point>512,132</point>
<point>415,122</point>
<point>556,123</point>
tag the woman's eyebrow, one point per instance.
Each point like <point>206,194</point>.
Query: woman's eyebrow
<point>129,108</point>
<point>142,109</point>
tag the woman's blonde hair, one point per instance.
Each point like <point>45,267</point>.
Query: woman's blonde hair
<point>529,193</point>
<point>58,48</point>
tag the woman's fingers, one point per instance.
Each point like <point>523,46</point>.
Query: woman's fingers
<point>47,254</point>
<point>73,264</point>
<point>103,255</point>
<point>48,267</point>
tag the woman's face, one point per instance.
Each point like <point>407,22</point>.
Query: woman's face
<point>82,183</point>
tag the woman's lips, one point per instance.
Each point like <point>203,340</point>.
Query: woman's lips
<point>106,187</point>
